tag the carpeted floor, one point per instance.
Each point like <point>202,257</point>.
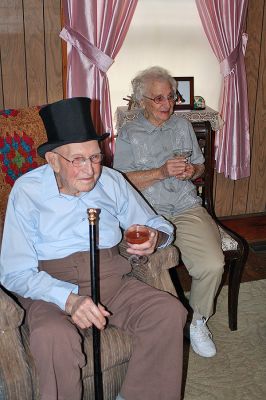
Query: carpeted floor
<point>238,371</point>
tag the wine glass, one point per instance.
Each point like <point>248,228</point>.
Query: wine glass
<point>183,152</point>
<point>137,234</point>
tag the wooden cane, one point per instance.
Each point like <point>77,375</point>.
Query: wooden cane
<point>95,294</point>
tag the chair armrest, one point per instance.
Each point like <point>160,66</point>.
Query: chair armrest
<point>11,314</point>
<point>155,272</point>
<point>15,380</point>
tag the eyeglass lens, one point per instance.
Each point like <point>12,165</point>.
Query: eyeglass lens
<point>161,98</point>
<point>80,161</point>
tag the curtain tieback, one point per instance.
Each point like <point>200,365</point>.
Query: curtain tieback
<point>95,55</point>
<point>228,64</point>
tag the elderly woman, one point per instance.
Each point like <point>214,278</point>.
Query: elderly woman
<point>146,152</point>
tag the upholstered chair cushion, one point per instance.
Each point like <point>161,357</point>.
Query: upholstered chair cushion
<point>228,242</point>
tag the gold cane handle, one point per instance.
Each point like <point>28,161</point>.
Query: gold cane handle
<point>92,215</point>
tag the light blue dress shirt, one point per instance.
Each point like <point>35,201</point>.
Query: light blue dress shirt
<point>43,224</point>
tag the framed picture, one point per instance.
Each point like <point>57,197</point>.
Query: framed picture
<point>185,93</point>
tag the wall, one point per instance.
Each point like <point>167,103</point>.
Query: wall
<point>248,196</point>
<point>30,62</point>
<point>255,186</point>
<point>166,33</point>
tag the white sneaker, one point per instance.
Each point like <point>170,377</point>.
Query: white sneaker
<point>201,339</point>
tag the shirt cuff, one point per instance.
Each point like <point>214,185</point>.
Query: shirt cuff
<point>60,293</point>
<point>168,241</point>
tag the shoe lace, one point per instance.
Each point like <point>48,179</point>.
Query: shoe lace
<point>201,331</point>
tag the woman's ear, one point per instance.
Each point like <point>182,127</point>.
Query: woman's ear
<point>52,160</point>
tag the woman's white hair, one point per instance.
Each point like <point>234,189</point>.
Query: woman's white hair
<point>145,77</point>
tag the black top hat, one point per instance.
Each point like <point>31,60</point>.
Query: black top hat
<point>67,121</point>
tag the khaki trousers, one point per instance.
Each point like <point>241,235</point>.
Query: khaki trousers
<point>199,242</point>
<point>154,318</point>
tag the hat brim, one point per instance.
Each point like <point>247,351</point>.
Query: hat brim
<point>49,146</point>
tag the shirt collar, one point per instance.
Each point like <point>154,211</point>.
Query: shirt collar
<point>50,188</point>
<point>149,127</point>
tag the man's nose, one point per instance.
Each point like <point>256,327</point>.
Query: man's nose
<point>88,166</point>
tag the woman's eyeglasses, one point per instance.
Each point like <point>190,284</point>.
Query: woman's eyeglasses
<point>160,99</point>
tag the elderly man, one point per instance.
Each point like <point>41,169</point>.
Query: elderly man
<point>145,151</point>
<point>44,261</point>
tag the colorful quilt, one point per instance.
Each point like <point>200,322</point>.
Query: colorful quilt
<point>21,132</point>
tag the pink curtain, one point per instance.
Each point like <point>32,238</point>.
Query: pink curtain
<point>94,31</point>
<point>223,22</point>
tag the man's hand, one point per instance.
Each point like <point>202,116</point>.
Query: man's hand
<point>146,248</point>
<point>85,313</point>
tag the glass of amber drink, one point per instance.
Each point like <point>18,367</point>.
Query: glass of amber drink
<point>137,234</point>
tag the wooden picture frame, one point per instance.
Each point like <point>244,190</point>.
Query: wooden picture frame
<point>185,93</point>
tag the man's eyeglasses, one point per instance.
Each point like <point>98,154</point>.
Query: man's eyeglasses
<point>81,161</point>
<point>160,99</point>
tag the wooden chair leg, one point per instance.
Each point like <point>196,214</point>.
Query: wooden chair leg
<point>233,292</point>
<point>179,289</point>
<point>236,267</point>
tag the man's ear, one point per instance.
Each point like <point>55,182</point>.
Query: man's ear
<point>52,160</point>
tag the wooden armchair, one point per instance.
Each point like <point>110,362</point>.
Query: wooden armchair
<point>234,246</point>
<point>21,131</point>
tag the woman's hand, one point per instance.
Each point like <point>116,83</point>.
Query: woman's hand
<point>188,173</point>
<point>192,172</point>
<point>174,167</point>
